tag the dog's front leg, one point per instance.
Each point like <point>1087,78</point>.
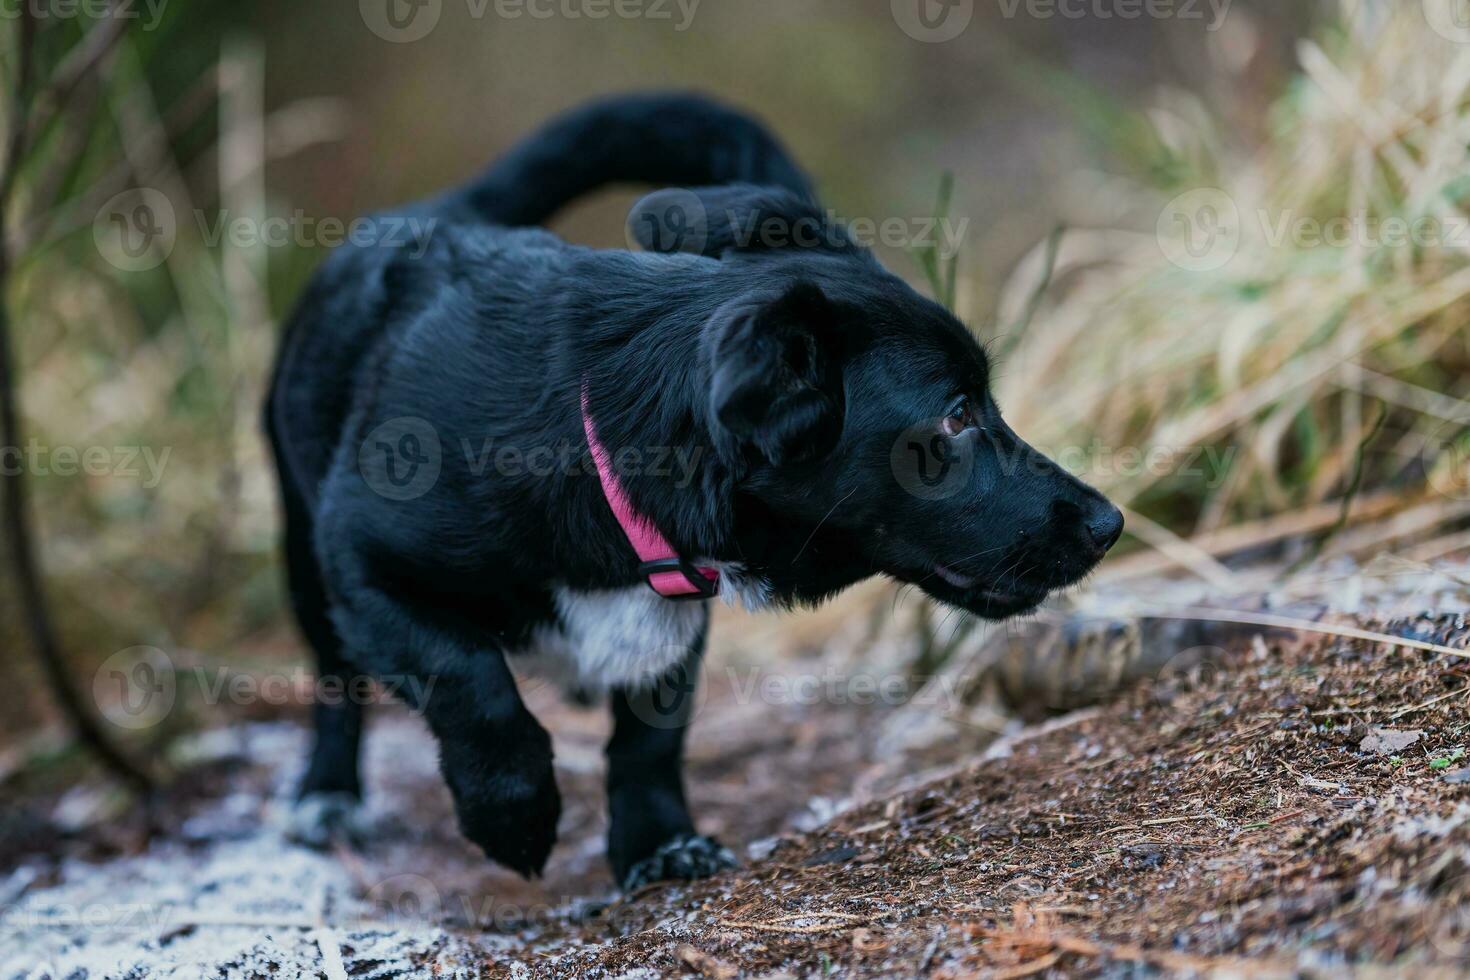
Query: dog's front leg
<point>494,755</point>
<point>651,836</point>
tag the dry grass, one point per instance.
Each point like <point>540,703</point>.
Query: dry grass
<point>1280,359</point>
<point>1243,349</point>
<point>165,533</point>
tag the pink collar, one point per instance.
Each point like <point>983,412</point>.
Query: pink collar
<point>668,574</point>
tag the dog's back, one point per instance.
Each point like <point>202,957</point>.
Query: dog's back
<point>655,140</point>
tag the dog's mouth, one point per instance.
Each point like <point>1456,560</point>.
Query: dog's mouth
<point>989,600</point>
<point>957,579</point>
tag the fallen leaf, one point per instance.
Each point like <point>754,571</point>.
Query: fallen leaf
<point>705,964</point>
<point>1388,741</point>
<point>835,855</point>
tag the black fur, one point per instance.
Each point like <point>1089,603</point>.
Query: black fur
<point>806,377</point>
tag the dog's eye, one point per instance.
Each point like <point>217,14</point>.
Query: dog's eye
<point>960,418</point>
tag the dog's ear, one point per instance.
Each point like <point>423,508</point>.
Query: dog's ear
<point>713,221</point>
<point>776,375</point>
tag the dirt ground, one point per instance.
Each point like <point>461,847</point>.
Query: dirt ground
<point>1291,805</point>
<point>1231,822</point>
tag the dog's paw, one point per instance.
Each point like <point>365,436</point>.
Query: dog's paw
<point>511,816</point>
<point>321,819</point>
<point>685,857</point>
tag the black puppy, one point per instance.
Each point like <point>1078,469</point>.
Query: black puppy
<point>497,444</point>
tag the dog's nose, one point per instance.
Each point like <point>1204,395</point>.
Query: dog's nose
<point>1106,528</point>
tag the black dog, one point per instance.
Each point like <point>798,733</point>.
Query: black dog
<point>476,442</point>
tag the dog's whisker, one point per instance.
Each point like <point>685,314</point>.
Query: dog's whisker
<point>820,523</point>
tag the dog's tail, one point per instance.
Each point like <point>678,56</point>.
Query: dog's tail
<point>654,139</point>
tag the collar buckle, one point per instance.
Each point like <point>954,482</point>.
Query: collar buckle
<point>660,574</point>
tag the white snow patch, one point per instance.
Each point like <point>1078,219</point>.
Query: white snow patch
<point>229,899</point>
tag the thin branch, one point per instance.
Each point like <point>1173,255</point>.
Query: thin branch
<point>51,221</point>
<point>19,108</point>
<point>1297,625</point>
<point>80,63</point>
<point>15,520</point>
<point>32,596</point>
<point>1350,494</point>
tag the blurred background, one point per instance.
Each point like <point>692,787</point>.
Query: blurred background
<point>1120,185</point>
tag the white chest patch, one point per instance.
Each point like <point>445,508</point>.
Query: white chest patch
<point>627,638</point>
<point>618,638</point>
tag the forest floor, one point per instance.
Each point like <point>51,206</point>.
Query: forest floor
<point>1298,805</point>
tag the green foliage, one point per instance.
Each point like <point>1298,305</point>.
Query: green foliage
<point>939,269</point>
